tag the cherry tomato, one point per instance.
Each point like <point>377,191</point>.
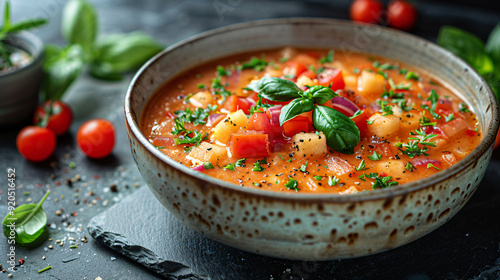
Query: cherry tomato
<point>60,116</point>
<point>497,141</point>
<point>36,143</point>
<point>96,138</point>
<point>401,14</point>
<point>369,11</point>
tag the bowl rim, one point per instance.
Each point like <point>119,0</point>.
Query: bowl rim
<point>388,193</point>
<point>37,54</point>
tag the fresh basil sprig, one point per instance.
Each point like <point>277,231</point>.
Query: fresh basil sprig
<point>341,132</point>
<point>27,221</point>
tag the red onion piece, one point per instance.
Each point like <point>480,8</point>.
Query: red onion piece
<point>274,114</point>
<point>213,119</point>
<point>199,168</point>
<point>425,161</point>
<point>340,100</point>
<point>344,110</point>
<point>278,145</point>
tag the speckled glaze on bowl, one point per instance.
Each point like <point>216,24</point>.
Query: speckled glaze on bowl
<point>310,226</point>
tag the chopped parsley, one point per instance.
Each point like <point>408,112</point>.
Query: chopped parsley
<point>230,167</point>
<point>327,58</point>
<point>159,147</point>
<point>392,94</point>
<point>332,181</point>
<point>208,165</point>
<point>240,162</point>
<point>184,134</point>
<point>462,107</point>
<point>318,178</point>
<point>449,118</point>
<point>412,76</point>
<point>303,168</point>
<point>375,156</point>
<point>259,107</point>
<point>433,98</point>
<point>370,122</point>
<point>223,72</point>
<point>425,121</point>
<point>410,167</point>
<point>355,71</point>
<point>256,64</point>
<point>292,184</point>
<point>284,59</point>
<point>400,86</point>
<point>371,176</point>
<point>412,149</point>
<point>385,108</point>
<point>200,86</point>
<point>361,166</point>
<point>430,165</point>
<point>384,182</point>
<point>256,184</point>
<point>257,167</point>
<point>403,71</point>
<point>198,116</point>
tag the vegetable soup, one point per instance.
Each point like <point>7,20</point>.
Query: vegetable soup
<point>308,120</point>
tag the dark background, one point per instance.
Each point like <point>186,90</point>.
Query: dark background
<point>468,247</point>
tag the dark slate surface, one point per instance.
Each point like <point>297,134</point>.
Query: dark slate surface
<point>467,247</point>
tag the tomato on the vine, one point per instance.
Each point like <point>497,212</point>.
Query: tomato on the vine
<point>36,143</point>
<point>369,11</point>
<point>96,138</point>
<point>60,117</point>
<point>401,14</point>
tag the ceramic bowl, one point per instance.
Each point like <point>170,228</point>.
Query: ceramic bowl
<point>19,89</point>
<point>310,226</point>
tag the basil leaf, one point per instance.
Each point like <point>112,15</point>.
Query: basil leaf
<point>61,68</point>
<point>467,46</point>
<point>28,222</point>
<point>79,24</point>
<point>341,133</point>
<point>120,53</point>
<point>275,89</point>
<point>321,94</point>
<point>27,24</point>
<point>295,108</point>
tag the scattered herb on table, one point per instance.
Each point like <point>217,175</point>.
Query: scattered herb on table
<point>27,222</point>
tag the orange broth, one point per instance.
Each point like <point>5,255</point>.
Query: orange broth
<point>366,79</point>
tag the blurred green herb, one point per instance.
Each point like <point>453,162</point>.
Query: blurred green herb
<point>8,28</point>
<point>108,58</point>
<point>484,58</point>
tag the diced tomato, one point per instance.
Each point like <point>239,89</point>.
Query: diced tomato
<point>234,103</point>
<point>360,122</point>
<point>254,96</point>
<point>435,130</point>
<point>309,74</point>
<point>454,127</point>
<point>313,54</point>
<point>384,149</point>
<point>251,144</point>
<point>470,132</point>
<point>160,141</point>
<point>294,68</point>
<point>383,174</point>
<point>331,78</point>
<point>442,104</point>
<point>260,122</point>
<point>293,126</point>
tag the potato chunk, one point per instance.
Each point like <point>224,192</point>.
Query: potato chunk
<point>201,99</point>
<point>306,81</point>
<point>383,126</point>
<point>309,144</point>
<point>224,129</point>
<point>371,84</point>
<point>206,152</point>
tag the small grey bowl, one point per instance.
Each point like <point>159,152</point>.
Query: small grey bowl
<point>19,89</point>
<point>311,226</point>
